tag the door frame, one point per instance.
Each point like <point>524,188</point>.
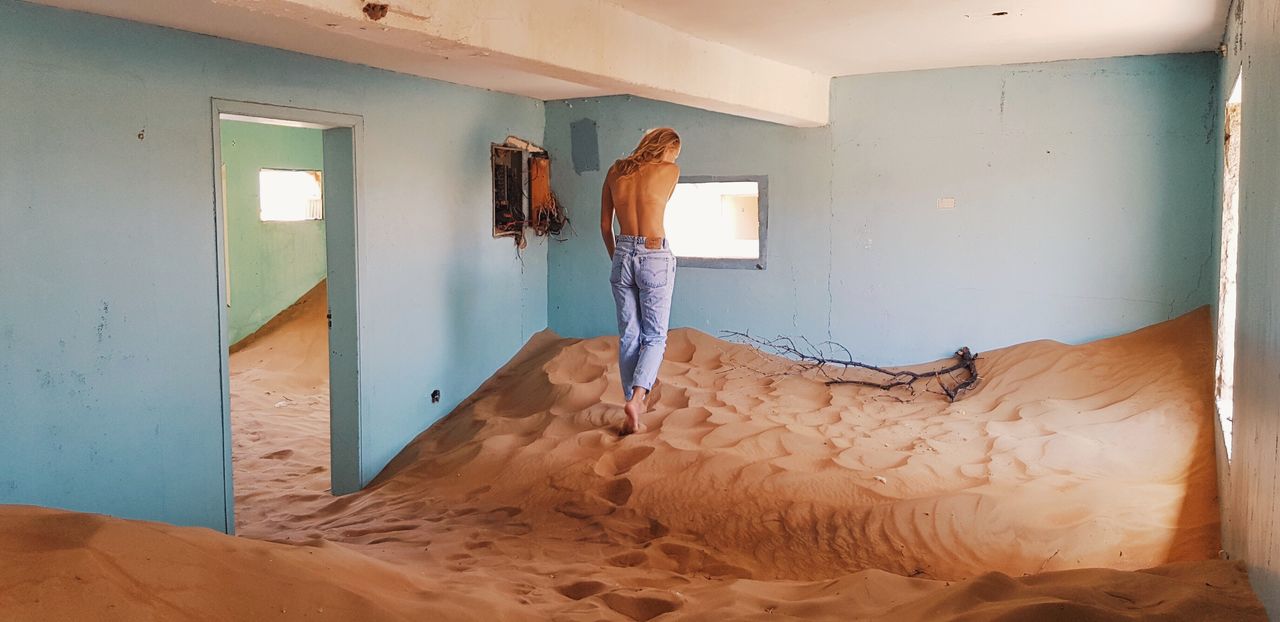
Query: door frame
<point>342,255</point>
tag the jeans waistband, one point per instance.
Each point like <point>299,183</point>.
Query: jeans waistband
<point>637,240</point>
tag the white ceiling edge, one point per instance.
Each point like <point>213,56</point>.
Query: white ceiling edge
<point>722,58</point>
<point>543,49</point>
<point>859,37</point>
<point>1027,59</point>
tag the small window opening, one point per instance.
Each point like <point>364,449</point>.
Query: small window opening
<point>290,196</point>
<point>718,222</point>
<point>1229,261</point>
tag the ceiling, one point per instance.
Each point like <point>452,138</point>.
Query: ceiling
<point>844,37</point>
<point>763,59</point>
<point>228,19</point>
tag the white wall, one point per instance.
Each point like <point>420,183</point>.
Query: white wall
<point>1252,498</point>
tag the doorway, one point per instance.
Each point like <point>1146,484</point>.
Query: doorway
<point>1228,264</point>
<point>286,212</point>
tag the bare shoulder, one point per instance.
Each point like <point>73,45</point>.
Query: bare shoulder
<point>612,173</point>
<point>667,169</point>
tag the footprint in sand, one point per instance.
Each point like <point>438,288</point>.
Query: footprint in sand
<point>581,589</point>
<point>622,460</point>
<point>618,491</point>
<point>630,559</point>
<point>641,605</point>
<point>586,507</point>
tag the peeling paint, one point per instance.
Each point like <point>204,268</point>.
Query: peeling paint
<point>1004,83</point>
<point>102,321</point>
<point>375,11</point>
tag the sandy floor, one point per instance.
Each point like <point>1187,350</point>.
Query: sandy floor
<point>753,496</point>
<point>280,416</point>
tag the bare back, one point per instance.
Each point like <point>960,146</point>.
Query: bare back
<point>640,199</point>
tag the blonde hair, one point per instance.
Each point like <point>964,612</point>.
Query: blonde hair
<point>652,147</point>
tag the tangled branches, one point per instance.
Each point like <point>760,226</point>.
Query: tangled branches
<point>954,380</point>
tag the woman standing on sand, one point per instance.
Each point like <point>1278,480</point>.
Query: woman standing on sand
<point>637,189</point>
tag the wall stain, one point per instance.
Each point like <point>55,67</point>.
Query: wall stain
<point>1003,94</point>
<point>1210,116</point>
<point>102,321</point>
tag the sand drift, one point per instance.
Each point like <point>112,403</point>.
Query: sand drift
<point>754,495</point>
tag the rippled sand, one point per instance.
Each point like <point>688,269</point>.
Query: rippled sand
<point>754,495</point>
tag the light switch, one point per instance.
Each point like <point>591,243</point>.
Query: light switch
<point>947,203</point>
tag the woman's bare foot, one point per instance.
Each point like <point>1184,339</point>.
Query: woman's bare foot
<point>633,425</point>
<point>634,408</point>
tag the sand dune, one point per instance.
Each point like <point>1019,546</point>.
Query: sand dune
<point>755,495</point>
<point>280,415</point>
<point>70,566</point>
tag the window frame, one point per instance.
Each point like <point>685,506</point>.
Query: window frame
<point>762,205</point>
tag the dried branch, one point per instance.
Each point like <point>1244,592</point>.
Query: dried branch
<point>954,380</point>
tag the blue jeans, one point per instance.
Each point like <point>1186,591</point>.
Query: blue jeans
<point>643,280</point>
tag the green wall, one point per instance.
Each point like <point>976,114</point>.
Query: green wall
<point>271,264</point>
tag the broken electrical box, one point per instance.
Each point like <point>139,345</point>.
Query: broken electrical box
<point>522,196</point>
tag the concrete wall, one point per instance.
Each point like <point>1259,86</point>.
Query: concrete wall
<point>1085,202</point>
<point>110,390</point>
<point>271,264</point>
<point>1252,500</point>
<point>1084,192</point>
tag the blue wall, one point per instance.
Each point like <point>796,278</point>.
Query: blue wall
<point>1085,207</point>
<point>270,264</point>
<point>1084,189</point>
<point>110,391</point>
<point>791,295</point>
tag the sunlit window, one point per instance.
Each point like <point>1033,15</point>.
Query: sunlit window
<point>290,196</point>
<point>717,221</point>
<point>1228,265</point>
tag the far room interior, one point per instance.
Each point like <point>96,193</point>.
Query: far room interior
<point>639,310</point>
<point>272,180</point>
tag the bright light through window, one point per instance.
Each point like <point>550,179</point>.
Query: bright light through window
<point>716,220</point>
<point>290,196</point>
<point>1228,262</point>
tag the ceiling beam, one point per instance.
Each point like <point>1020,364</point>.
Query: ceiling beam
<point>546,49</point>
